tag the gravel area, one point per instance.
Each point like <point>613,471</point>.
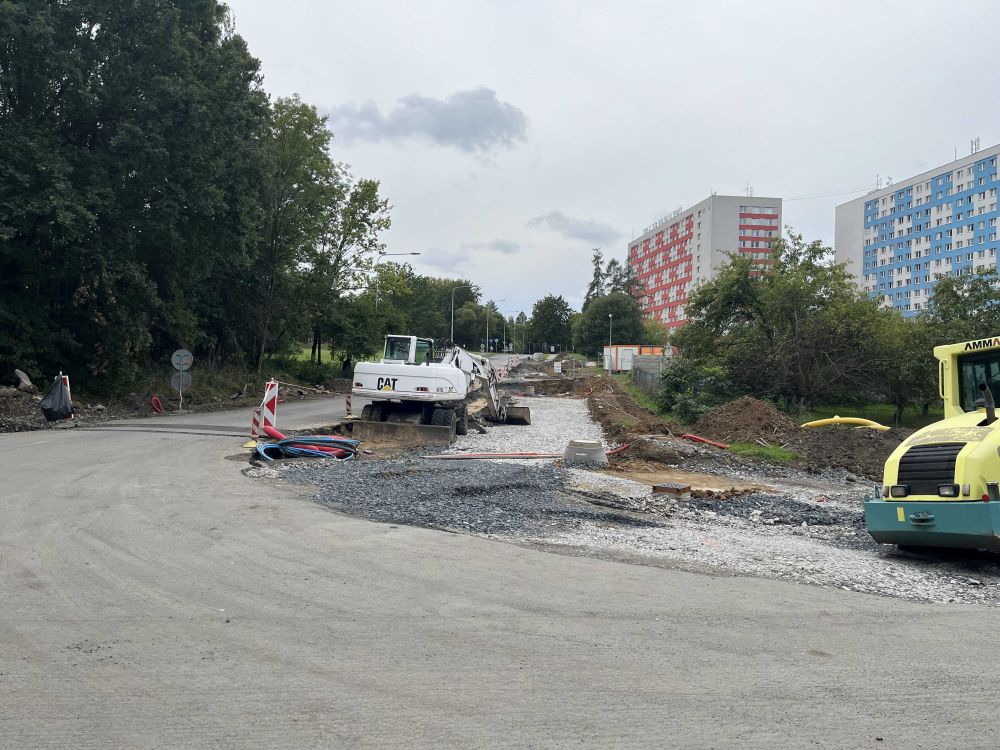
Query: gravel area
<point>554,422</point>
<point>489,498</point>
<point>809,529</point>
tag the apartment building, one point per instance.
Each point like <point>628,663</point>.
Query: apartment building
<point>687,247</point>
<point>900,240</point>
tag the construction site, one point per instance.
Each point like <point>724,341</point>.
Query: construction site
<point>660,500</point>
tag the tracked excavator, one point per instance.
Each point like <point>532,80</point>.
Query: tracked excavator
<point>416,386</point>
<point>941,486</point>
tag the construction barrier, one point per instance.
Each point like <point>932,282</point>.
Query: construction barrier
<point>348,404</point>
<point>265,415</point>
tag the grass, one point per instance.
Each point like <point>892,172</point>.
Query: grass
<point>624,383</point>
<point>764,452</point>
<point>881,413</point>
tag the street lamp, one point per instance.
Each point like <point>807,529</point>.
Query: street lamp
<point>488,324</point>
<point>460,286</point>
<point>610,323</point>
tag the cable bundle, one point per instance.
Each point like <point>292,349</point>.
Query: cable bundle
<point>311,446</point>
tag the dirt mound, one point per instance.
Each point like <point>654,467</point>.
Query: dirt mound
<point>749,420</point>
<point>861,451</point>
<point>19,411</point>
<point>745,420</point>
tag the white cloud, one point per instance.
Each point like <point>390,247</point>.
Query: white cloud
<point>473,120</point>
<point>593,232</point>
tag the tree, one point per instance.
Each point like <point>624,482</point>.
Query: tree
<point>302,191</point>
<point>550,321</point>
<point>349,244</point>
<point>128,184</point>
<point>907,363</point>
<point>965,307</point>
<point>592,329</point>
<point>596,288</point>
<point>799,330</point>
<point>620,277</point>
<point>653,332</point>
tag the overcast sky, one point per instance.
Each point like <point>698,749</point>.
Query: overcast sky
<point>512,137</point>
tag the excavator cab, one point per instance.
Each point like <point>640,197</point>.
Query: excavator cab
<point>408,350</point>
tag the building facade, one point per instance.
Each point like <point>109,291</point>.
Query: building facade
<point>899,241</point>
<point>688,247</point>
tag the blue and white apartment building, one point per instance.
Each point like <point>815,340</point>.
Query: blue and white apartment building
<point>898,241</point>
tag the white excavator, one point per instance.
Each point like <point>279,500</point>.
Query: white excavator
<point>413,385</point>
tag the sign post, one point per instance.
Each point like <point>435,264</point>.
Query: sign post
<point>182,360</point>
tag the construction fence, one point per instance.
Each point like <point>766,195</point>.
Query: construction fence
<point>646,371</point>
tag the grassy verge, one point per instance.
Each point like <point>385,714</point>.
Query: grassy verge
<point>764,452</point>
<point>624,383</point>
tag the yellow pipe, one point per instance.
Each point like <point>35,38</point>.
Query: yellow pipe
<point>846,420</point>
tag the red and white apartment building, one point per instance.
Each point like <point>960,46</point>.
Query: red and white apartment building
<point>689,246</point>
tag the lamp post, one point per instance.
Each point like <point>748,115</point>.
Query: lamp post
<point>460,286</point>
<point>488,324</point>
<point>610,323</point>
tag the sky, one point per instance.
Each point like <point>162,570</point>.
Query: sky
<point>513,137</point>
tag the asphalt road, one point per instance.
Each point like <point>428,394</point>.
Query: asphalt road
<point>153,596</point>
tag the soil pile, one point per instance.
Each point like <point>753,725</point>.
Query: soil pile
<point>745,420</point>
<point>749,420</point>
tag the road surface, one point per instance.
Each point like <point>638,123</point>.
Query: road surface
<point>153,596</point>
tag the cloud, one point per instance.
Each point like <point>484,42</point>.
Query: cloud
<point>594,232</point>
<point>457,259</point>
<point>504,247</point>
<point>474,120</point>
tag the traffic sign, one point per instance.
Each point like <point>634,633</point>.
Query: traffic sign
<point>180,381</point>
<point>182,359</point>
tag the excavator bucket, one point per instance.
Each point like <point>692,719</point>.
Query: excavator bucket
<point>518,415</point>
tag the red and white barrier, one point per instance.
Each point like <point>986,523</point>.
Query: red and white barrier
<point>348,404</point>
<point>265,415</point>
<point>269,406</point>
<point>65,380</point>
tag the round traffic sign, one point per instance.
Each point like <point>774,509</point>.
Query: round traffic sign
<point>182,359</point>
<point>180,381</point>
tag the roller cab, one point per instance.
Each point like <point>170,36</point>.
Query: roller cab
<point>941,486</point>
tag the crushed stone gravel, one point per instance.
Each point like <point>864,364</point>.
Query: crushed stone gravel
<point>809,529</point>
<point>481,497</point>
<point>554,422</point>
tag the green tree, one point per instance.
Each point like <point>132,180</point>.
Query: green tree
<point>598,282</point>
<point>302,190</point>
<point>965,307</point>
<point>349,245</point>
<point>592,328</point>
<point>907,365</point>
<point>128,184</point>
<point>550,321</point>
<point>621,277</point>
<point>800,331</point>
<point>653,332</point>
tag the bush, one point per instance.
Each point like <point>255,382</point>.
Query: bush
<point>688,389</point>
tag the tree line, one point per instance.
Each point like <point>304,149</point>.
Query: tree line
<point>153,196</point>
<point>802,333</point>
